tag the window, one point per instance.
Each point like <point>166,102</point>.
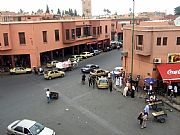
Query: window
<point>6,41</point>
<point>67,34</point>
<point>19,129</point>
<point>100,29</point>
<point>158,41</point>
<point>78,32</point>
<point>86,31</point>
<point>94,30</point>
<point>164,40</point>
<point>106,31</point>
<point>178,41</point>
<point>56,35</point>
<point>44,36</point>
<point>26,131</point>
<point>73,33</point>
<point>98,32</point>
<point>22,39</point>
<point>140,39</point>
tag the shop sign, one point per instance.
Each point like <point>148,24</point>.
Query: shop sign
<point>174,58</point>
<point>173,72</point>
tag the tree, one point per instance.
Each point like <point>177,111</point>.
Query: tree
<point>21,11</point>
<point>177,10</point>
<point>47,9</point>
<point>75,12</point>
<point>63,13</point>
<point>59,12</point>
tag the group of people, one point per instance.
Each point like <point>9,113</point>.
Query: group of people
<point>172,90</point>
<point>129,90</point>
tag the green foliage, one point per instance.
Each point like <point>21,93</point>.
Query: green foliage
<point>47,9</point>
<point>177,10</point>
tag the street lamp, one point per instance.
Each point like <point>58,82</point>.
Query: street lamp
<point>132,49</point>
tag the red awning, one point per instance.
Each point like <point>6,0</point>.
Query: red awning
<point>90,43</point>
<point>169,72</point>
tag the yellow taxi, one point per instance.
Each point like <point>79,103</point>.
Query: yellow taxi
<point>99,72</point>
<point>102,83</point>
<point>50,74</point>
<point>51,63</point>
<point>20,70</point>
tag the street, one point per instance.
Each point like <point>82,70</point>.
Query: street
<point>80,109</point>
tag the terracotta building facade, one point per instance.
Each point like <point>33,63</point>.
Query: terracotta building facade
<point>154,45</point>
<point>32,43</point>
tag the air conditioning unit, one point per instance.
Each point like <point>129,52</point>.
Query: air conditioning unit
<point>157,60</point>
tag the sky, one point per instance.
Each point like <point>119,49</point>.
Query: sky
<point>119,6</point>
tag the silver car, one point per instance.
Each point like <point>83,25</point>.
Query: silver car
<point>28,127</point>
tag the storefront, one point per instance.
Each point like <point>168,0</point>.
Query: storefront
<point>170,74</point>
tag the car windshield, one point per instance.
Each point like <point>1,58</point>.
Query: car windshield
<point>83,53</point>
<point>117,69</point>
<point>36,128</point>
<point>103,81</point>
<point>87,66</point>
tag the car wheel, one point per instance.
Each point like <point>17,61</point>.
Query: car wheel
<point>50,78</point>
<point>62,75</point>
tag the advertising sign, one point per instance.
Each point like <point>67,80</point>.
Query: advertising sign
<point>174,58</point>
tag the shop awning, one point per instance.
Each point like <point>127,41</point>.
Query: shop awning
<point>169,72</point>
<point>90,43</point>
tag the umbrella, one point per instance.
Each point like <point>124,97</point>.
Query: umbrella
<point>150,81</point>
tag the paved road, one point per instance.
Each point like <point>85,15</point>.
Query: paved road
<point>80,110</point>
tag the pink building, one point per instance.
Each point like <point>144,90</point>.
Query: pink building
<point>156,45</point>
<point>32,43</point>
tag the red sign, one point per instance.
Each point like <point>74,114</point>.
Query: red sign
<point>169,72</point>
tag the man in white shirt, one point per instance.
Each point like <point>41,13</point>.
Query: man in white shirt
<point>146,109</point>
<point>48,95</point>
<point>175,91</point>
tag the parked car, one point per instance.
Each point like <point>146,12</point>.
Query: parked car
<point>106,49</point>
<point>89,67</point>
<point>28,127</point>
<point>117,71</point>
<point>75,58</point>
<point>99,72</point>
<point>50,74</point>
<point>20,70</point>
<point>114,44</point>
<point>51,63</point>
<point>102,83</point>
<point>120,44</point>
<point>96,52</point>
<point>85,55</point>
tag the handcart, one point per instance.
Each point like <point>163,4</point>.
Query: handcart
<point>54,95</point>
<point>160,116</point>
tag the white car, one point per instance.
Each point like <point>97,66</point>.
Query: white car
<point>117,71</point>
<point>85,55</point>
<point>28,127</point>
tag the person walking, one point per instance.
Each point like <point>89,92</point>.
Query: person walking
<point>48,95</point>
<point>132,91</point>
<point>90,80</point>
<point>175,91</point>
<point>125,91</point>
<point>93,82</point>
<point>146,109</point>
<point>140,117</point>
<point>144,121</point>
<point>110,85</point>
<point>83,79</point>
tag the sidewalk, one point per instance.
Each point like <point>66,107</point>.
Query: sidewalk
<point>141,94</point>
